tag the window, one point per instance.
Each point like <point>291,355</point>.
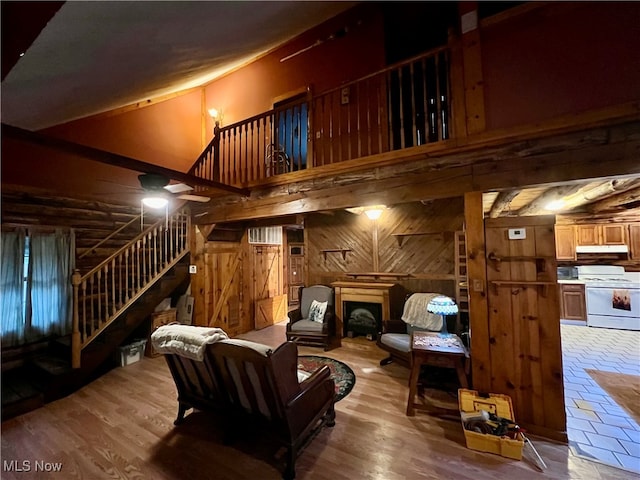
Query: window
<point>35,283</point>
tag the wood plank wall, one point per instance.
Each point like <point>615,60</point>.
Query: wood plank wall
<point>524,322</point>
<point>230,277</point>
<point>429,258</point>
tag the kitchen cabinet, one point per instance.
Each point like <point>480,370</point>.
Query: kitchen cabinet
<point>634,241</point>
<point>572,301</point>
<point>602,234</point>
<point>565,242</point>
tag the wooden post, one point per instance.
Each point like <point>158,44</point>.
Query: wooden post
<point>472,66</point>
<point>375,254</point>
<point>76,346</point>
<point>216,152</point>
<point>477,283</point>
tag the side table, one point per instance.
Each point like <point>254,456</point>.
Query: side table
<point>430,348</point>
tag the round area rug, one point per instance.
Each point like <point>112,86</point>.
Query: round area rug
<point>341,373</point>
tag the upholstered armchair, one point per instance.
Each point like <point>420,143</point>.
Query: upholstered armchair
<point>395,337</point>
<point>313,323</point>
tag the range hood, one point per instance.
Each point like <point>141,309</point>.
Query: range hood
<point>602,249</point>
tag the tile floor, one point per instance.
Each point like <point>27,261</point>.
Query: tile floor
<point>597,427</point>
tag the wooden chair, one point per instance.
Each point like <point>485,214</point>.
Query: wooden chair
<point>304,331</point>
<point>263,384</point>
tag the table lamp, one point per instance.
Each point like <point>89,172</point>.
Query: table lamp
<point>443,305</point>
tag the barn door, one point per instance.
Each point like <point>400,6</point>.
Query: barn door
<point>524,324</point>
<point>224,270</point>
<point>268,286</point>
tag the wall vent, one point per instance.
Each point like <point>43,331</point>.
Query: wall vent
<point>266,235</point>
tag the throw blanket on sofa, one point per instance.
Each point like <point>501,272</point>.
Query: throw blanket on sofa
<point>415,312</point>
<point>186,340</point>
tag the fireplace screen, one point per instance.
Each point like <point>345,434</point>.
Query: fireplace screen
<point>362,319</point>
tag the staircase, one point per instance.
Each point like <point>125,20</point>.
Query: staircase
<point>111,303</point>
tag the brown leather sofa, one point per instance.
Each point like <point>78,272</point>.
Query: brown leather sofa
<point>248,381</point>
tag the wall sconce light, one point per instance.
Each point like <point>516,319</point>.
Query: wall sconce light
<point>216,114</point>
<point>374,211</point>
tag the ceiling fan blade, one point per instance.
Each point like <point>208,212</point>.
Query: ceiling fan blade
<point>178,188</point>
<point>195,198</point>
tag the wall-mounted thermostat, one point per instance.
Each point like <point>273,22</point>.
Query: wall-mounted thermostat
<point>517,233</point>
<point>193,269</point>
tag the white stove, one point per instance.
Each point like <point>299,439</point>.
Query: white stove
<point>613,296</point>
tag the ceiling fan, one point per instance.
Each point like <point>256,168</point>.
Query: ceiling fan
<point>157,190</point>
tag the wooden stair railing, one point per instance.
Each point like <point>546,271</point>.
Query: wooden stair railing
<point>404,105</point>
<point>104,293</point>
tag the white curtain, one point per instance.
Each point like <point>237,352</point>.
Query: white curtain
<point>12,307</point>
<point>51,293</point>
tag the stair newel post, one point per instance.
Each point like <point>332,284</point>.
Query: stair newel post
<point>216,152</point>
<point>76,344</point>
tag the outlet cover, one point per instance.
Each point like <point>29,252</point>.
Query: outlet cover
<point>193,269</point>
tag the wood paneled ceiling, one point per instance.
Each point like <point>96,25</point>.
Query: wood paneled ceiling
<point>608,196</point>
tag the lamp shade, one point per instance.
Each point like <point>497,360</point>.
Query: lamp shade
<point>442,305</point>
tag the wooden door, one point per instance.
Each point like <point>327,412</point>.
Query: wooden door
<point>565,242</point>
<point>573,302</point>
<point>634,241</point>
<point>524,323</point>
<point>223,296</point>
<point>614,234</point>
<point>268,285</point>
<point>588,234</point>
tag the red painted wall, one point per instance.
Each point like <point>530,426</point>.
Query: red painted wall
<point>252,90</point>
<point>167,133</point>
<point>538,66</point>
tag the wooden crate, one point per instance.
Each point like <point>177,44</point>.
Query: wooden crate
<point>159,319</point>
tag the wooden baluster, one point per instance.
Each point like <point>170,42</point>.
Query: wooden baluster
<point>425,94</point>
<point>76,342</point>
<point>127,272</point>
<point>114,306</point>
<point>105,294</point>
<point>390,113</point>
<point>83,331</point>
<point>412,79</point>
<point>438,104</point>
<point>120,302</point>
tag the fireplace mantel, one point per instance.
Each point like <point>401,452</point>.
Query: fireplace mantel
<point>389,295</point>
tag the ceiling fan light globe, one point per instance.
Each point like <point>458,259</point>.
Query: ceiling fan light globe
<point>155,202</point>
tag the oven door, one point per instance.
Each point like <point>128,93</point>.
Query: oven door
<point>613,307</point>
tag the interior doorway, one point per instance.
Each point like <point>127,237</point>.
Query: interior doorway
<point>292,121</point>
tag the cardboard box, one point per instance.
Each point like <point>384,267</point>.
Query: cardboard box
<point>471,401</point>
<point>132,352</point>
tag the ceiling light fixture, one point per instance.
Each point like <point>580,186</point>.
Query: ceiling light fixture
<point>155,201</point>
<point>554,205</point>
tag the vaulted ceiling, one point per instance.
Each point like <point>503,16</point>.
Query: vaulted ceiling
<point>80,58</point>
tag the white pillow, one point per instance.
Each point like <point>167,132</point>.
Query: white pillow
<point>317,311</point>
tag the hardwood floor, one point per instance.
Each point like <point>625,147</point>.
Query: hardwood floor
<point>121,427</point>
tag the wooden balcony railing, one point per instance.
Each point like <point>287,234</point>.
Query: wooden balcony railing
<point>404,105</point>
<point>104,293</point>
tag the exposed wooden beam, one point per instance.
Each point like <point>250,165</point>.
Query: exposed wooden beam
<point>446,176</point>
<point>113,158</point>
<point>501,202</point>
<point>538,205</point>
<point>624,198</point>
<point>599,192</point>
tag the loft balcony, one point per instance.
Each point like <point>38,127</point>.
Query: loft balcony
<point>405,105</point>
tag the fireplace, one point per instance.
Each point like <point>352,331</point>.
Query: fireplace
<point>362,318</point>
<point>387,298</point>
